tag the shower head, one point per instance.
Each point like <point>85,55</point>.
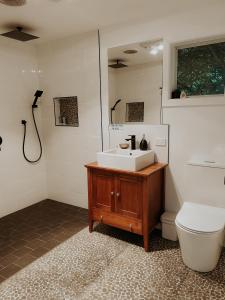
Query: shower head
<point>36,95</point>
<point>118,65</point>
<point>13,2</point>
<point>19,35</point>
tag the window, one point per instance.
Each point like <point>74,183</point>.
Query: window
<point>201,69</point>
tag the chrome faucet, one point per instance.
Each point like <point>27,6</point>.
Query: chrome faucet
<point>133,141</point>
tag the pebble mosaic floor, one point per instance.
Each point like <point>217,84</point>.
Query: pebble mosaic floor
<point>110,264</point>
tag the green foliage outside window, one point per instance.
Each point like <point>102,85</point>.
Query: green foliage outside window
<point>201,69</point>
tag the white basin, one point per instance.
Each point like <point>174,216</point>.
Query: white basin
<point>126,159</point>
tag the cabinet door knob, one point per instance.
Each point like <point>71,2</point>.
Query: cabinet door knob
<point>130,226</point>
<point>112,193</point>
<point>117,195</point>
<point>101,219</point>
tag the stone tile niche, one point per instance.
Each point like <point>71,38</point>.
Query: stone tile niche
<point>135,112</point>
<point>66,111</point>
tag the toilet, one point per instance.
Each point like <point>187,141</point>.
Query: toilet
<point>200,230</point>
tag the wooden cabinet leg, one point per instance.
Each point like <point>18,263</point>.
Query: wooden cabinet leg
<point>91,223</point>
<point>146,242</point>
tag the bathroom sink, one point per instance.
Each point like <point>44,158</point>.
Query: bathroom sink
<point>125,159</point>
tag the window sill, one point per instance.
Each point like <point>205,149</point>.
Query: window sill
<point>218,100</point>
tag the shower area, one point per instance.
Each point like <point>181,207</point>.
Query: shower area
<point>66,116</point>
<point>22,183</point>
<point>31,83</point>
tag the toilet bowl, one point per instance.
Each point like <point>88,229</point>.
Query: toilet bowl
<point>200,230</point>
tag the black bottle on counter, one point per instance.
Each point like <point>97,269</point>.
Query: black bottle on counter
<point>143,144</point>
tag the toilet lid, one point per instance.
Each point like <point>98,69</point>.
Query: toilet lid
<point>201,218</point>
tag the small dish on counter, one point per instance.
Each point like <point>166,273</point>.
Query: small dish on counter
<point>124,146</point>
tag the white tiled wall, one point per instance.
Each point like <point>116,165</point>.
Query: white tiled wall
<point>21,183</point>
<point>70,68</point>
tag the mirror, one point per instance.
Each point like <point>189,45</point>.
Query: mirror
<point>135,83</point>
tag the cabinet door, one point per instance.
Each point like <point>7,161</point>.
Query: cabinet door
<point>129,196</point>
<point>103,191</point>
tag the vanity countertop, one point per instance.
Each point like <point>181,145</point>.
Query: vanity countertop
<point>144,172</point>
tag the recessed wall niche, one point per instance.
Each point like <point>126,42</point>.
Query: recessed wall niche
<point>135,112</point>
<point>66,111</point>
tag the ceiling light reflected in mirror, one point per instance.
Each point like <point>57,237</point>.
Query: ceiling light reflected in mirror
<point>156,48</point>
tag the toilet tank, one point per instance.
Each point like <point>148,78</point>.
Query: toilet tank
<point>205,182</point>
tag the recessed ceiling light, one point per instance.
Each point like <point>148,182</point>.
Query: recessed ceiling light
<point>130,51</point>
<point>160,47</point>
<point>154,51</point>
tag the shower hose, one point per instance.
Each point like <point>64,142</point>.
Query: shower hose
<point>24,122</point>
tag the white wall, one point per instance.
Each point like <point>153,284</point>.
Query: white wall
<point>138,83</point>
<point>21,184</point>
<point>70,68</point>
<point>193,130</point>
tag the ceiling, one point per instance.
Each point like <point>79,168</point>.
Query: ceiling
<point>52,19</point>
<point>143,55</point>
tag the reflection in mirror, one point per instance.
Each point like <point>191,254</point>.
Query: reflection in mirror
<point>135,82</point>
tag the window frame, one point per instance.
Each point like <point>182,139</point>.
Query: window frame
<point>170,76</point>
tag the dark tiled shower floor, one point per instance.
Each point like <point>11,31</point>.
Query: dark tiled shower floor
<point>31,232</point>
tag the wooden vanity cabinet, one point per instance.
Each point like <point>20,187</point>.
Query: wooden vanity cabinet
<point>132,201</point>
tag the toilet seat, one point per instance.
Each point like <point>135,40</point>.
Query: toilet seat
<point>195,231</point>
<point>201,219</point>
